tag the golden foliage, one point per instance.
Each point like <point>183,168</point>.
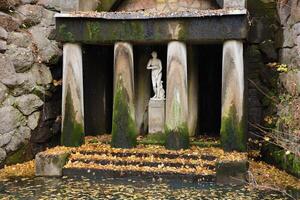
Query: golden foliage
<point>26,169</point>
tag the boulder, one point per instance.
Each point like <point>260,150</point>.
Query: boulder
<point>8,74</point>
<point>33,120</point>
<point>30,14</point>
<point>28,1</point>
<point>10,119</point>
<point>19,137</point>
<point>3,92</point>
<point>291,82</point>
<point>28,104</point>
<point>48,50</point>
<point>3,46</point>
<point>50,4</point>
<point>5,138</point>
<point>41,74</point>
<point>2,155</point>
<point>20,39</point>
<point>22,58</point>
<point>8,22</point>
<point>3,33</point>
<point>8,4</point>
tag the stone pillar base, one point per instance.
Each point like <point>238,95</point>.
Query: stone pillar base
<point>156,116</point>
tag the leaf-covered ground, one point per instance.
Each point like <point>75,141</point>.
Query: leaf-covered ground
<point>82,188</point>
<point>262,176</point>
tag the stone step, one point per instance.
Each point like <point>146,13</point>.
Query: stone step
<point>141,161</point>
<point>97,170</point>
<point>128,153</point>
<point>145,161</point>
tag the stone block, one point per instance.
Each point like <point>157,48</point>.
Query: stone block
<point>78,5</point>
<point>232,172</point>
<point>232,3</point>
<point>50,165</point>
<point>156,116</point>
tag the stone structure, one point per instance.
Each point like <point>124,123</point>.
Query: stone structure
<point>29,56</point>
<point>177,89</point>
<point>156,118</point>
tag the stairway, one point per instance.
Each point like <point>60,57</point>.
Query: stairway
<point>147,162</point>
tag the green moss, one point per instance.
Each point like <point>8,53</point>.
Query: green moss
<point>106,5</point>
<point>124,131</point>
<point>20,156</point>
<point>277,156</point>
<point>67,36</point>
<point>93,30</point>
<point>136,30</point>
<point>177,138</point>
<point>73,132</point>
<point>233,132</point>
<point>154,139</point>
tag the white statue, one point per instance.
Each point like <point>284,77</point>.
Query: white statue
<point>155,65</point>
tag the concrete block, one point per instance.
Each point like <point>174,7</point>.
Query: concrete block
<point>232,172</point>
<point>232,3</point>
<point>50,165</point>
<point>156,116</point>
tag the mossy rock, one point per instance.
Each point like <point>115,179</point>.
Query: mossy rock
<point>23,154</point>
<point>277,156</point>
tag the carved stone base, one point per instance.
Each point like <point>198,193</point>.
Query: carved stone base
<point>156,116</point>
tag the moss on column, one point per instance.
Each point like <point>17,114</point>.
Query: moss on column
<point>233,130</point>
<point>177,138</point>
<point>124,131</point>
<point>72,131</point>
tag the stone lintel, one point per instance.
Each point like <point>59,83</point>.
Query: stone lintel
<point>156,116</point>
<point>104,29</point>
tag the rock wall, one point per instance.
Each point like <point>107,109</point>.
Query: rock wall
<point>273,63</point>
<point>289,84</point>
<point>29,92</point>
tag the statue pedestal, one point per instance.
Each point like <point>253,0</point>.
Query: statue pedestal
<point>156,116</point>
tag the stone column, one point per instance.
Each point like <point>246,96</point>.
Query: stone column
<point>72,99</point>
<point>177,97</point>
<point>124,131</point>
<point>233,124</point>
<point>142,88</point>
<point>193,85</point>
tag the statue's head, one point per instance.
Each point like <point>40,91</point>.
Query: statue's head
<point>154,54</point>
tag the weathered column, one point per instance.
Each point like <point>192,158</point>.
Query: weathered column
<point>177,97</point>
<point>193,85</point>
<point>233,124</point>
<point>123,125</point>
<point>72,99</point>
<point>142,88</point>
